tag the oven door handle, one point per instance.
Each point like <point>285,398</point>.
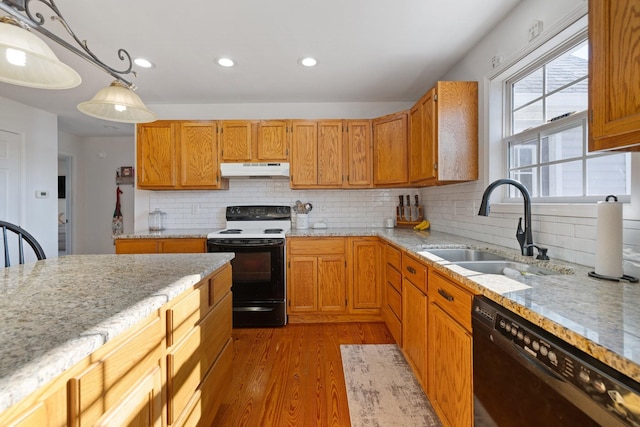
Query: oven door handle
<point>245,245</point>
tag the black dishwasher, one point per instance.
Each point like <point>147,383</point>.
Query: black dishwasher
<point>524,376</point>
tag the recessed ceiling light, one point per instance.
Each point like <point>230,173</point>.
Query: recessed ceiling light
<point>144,63</point>
<point>308,62</point>
<point>226,62</point>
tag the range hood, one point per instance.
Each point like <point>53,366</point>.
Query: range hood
<point>255,170</point>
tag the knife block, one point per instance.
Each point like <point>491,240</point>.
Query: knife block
<point>403,221</point>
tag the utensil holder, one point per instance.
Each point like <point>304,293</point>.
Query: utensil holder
<point>302,221</point>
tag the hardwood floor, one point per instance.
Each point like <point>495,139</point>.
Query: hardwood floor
<point>292,376</point>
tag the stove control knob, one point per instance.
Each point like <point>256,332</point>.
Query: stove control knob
<point>536,346</point>
<point>527,339</point>
<point>552,357</point>
<point>584,376</point>
<point>600,386</point>
<point>543,350</point>
<point>514,331</point>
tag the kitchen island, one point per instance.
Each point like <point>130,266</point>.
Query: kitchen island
<point>57,313</point>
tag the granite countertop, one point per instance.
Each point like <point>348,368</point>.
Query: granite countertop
<point>599,317</point>
<point>170,233</point>
<point>57,311</point>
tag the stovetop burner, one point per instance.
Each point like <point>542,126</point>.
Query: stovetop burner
<point>231,231</point>
<point>273,231</point>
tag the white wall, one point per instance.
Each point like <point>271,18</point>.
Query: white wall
<point>39,131</point>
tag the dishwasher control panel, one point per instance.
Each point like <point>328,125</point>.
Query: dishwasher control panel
<point>612,390</point>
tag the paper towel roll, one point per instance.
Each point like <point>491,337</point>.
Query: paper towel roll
<point>609,239</point>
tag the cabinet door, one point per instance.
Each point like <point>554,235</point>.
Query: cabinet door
<point>414,329</point>
<point>272,141</point>
<point>172,246</point>
<point>614,75</point>
<point>422,140</point>
<point>332,289</point>
<point>450,384</point>
<point>235,141</point>
<point>357,154</point>
<point>366,261</point>
<point>137,246</point>
<point>304,154</point>
<point>156,154</point>
<point>198,155</point>
<point>390,150</point>
<point>302,288</point>
<point>330,154</point>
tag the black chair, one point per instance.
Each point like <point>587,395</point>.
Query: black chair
<point>22,236</point>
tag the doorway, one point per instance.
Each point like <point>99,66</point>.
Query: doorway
<point>65,198</point>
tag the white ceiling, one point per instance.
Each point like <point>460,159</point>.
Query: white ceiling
<point>368,51</point>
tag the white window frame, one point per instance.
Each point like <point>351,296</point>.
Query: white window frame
<point>572,28</point>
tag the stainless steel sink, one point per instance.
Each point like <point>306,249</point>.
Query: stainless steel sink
<point>455,255</point>
<point>505,268</point>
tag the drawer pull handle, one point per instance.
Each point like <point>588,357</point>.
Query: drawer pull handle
<point>445,295</point>
<point>411,270</point>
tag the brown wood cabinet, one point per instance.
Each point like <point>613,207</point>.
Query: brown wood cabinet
<point>390,147</point>
<point>614,76</point>
<point>392,301</point>
<point>316,277</point>
<point>366,289</point>
<point>357,157</point>
<point>164,245</point>
<point>450,351</point>
<point>199,344</point>
<point>414,316</point>
<point>316,154</point>
<point>169,369</point>
<point>443,134</point>
<point>178,155</point>
<point>251,140</point>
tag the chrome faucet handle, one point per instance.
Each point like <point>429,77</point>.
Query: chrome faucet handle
<point>542,252</point>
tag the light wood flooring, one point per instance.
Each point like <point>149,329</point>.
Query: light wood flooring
<point>292,376</point>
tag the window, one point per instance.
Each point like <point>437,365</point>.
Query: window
<point>547,132</point>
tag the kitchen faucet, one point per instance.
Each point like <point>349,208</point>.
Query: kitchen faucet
<point>525,238</point>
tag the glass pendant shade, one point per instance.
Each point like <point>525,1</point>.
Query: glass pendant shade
<point>117,103</point>
<point>26,60</point>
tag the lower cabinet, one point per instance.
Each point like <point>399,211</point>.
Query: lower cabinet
<point>163,246</point>
<point>172,368</point>
<point>365,267</point>
<point>450,351</point>
<point>392,299</point>
<point>414,316</point>
<point>316,277</point>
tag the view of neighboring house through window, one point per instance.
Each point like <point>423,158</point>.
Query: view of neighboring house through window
<point>547,133</point>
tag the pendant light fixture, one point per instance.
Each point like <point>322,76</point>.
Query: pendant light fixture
<point>26,60</point>
<point>118,103</point>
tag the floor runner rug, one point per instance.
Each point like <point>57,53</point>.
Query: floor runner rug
<point>382,390</point>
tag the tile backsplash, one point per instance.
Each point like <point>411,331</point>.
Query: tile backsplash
<point>337,208</point>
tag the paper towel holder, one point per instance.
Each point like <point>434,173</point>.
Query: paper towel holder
<point>630,279</point>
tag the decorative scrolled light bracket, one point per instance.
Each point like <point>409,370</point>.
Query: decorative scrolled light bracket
<point>21,11</point>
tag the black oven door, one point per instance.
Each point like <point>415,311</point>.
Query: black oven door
<point>258,268</point>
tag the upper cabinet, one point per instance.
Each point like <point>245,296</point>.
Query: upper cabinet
<point>316,154</point>
<point>247,140</point>
<point>614,73</point>
<point>443,135</point>
<point>178,155</point>
<point>357,158</point>
<point>390,150</point>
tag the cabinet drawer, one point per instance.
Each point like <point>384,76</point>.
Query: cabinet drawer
<point>393,256</point>
<point>185,314</point>
<point>393,277</point>
<point>174,246</point>
<point>395,327</point>
<point>416,272</point>
<point>219,285</point>
<point>394,301</point>
<point>313,246</point>
<point>103,384</point>
<point>188,363</point>
<point>453,299</point>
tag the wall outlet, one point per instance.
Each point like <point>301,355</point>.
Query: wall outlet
<point>535,29</point>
